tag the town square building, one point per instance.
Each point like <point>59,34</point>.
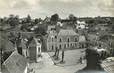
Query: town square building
<point>64,39</point>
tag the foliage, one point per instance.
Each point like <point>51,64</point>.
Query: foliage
<point>72,17</point>
<point>54,18</point>
<point>13,20</point>
<point>41,29</point>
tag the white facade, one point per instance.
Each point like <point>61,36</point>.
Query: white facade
<point>38,49</point>
<point>81,25</point>
<point>38,46</point>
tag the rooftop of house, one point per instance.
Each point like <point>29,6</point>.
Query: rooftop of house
<point>92,37</point>
<point>51,27</point>
<point>6,44</point>
<point>27,34</point>
<point>15,63</point>
<point>108,65</point>
<point>67,32</point>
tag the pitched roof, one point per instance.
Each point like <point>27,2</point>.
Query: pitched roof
<point>92,37</point>
<point>6,44</point>
<point>15,63</point>
<point>108,64</point>
<point>67,32</point>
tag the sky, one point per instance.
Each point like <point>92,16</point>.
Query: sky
<point>43,8</point>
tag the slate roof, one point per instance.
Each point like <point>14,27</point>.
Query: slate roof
<point>64,32</point>
<point>108,65</point>
<point>92,37</point>
<point>6,44</point>
<point>15,63</point>
<point>27,34</point>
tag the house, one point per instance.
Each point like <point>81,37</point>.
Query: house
<point>108,65</point>
<point>50,28</point>
<point>51,39</point>
<point>81,25</point>
<point>68,23</point>
<point>82,41</point>
<point>6,45</point>
<point>65,39</point>
<point>15,63</point>
<point>24,47</point>
<point>34,49</point>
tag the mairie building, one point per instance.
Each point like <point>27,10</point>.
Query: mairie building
<point>64,39</point>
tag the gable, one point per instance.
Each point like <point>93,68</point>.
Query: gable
<point>15,63</point>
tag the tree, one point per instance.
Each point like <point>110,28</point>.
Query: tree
<point>13,20</point>
<point>28,19</point>
<point>72,17</point>
<point>54,18</point>
<point>36,21</point>
<point>41,29</point>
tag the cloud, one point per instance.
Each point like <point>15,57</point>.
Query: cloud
<point>77,7</point>
<point>107,6</point>
<point>42,8</point>
<point>20,4</point>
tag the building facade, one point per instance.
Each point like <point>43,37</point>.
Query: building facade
<point>15,63</point>
<point>34,49</point>
<point>64,39</point>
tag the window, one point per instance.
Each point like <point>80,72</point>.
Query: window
<point>75,44</point>
<point>52,47</point>
<point>39,49</point>
<point>60,40</point>
<point>64,45</point>
<point>60,47</point>
<point>76,40</point>
<point>68,40</point>
<point>52,39</point>
<point>68,45</point>
<point>71,44</point>
<point>55,37</point>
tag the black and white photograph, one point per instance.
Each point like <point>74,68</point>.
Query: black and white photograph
<point>56,36</point>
